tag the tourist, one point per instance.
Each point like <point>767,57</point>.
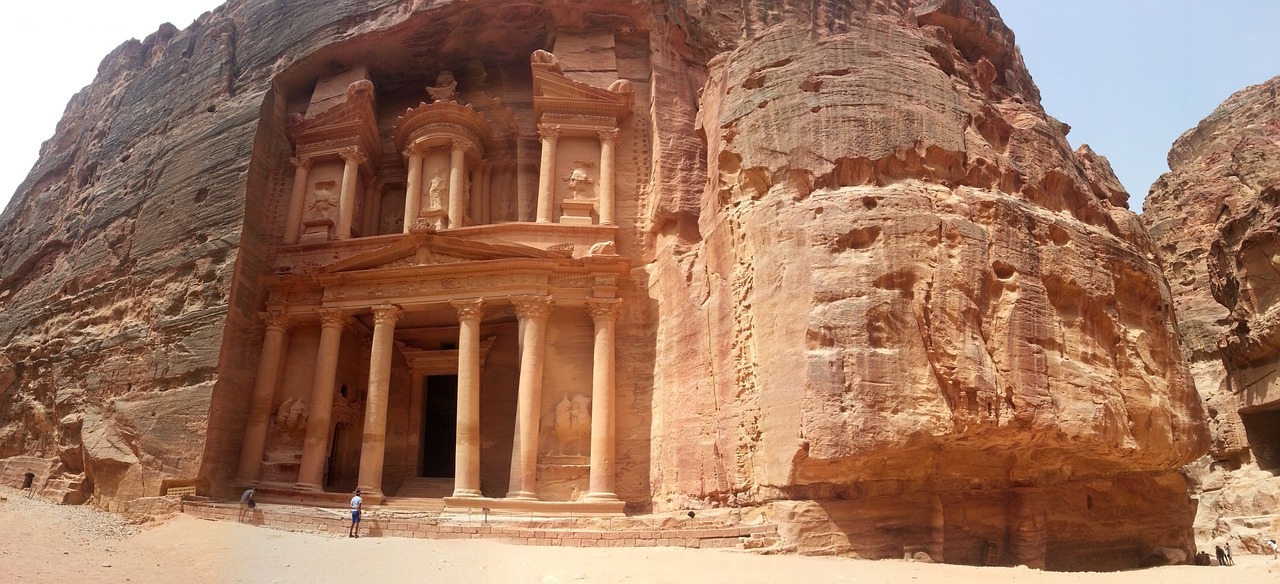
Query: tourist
<point>1222,556</point>
<point>1275,549</point>
<point>1227,548</point>
<point>356,503</point>
<point>246,502</point>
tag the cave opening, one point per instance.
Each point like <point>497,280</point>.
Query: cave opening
<point>1262,428</point>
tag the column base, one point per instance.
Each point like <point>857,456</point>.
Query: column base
<point>600,497</point>
<point>466,493</point>
<point>374,493</point>
<point>308,488</point>
<point>522,509</point>
<point>522,496</point>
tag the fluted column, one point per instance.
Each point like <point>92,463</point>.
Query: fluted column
<point>293,225</point>
<point>413,187</point>
<point>532,312</point>
<point>316,444</point>
<point>473,202</point>
<point>264,390</point>
<point>457,173</point>
<point>466,475</point>
<point>347,201</point>
<point>546,173</point>
<point>607,140</point>
<point>373,447</point>
<point>604,311</point>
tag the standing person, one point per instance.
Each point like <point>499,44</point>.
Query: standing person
<point>356,504</point>
<point>1275,549</point>
<point>1227,548</point>
<point>1222,556</point>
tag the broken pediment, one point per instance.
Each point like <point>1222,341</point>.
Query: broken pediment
<point>557,95</point>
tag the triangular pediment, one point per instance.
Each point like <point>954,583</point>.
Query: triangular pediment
<point>413,250</point>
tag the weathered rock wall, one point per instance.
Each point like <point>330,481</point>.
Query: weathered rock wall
<point>870,273</point>
<point>1214,217</point>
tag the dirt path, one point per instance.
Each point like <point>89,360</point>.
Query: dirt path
<point>63,544</point>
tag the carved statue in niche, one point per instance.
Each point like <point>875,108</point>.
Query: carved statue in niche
<point>291,417</point>
<point>445,89</point>
<point>579,181</point>
<point>572,419</point>
<point>323,202</point>
<point>438,190</point>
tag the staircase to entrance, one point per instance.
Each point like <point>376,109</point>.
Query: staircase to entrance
<point>421,494</point>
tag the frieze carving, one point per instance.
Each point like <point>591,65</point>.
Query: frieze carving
<point>471,309</point>
<point>326,145</point>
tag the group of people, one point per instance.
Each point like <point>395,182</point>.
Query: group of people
<point>247,504</point>
<point>1224,554</point>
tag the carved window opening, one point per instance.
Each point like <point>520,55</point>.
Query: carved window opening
<point>1262,428</point>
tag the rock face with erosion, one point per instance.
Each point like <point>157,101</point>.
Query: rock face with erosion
<point>1216,220</point>
<point>830,261</point>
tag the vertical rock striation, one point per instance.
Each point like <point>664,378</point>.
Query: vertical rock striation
<point>1216,219</point>
<point>882,298</point>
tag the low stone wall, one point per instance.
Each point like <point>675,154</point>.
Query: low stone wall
<point>381,523</point>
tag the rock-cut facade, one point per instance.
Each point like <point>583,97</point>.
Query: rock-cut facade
<point>828,262</point>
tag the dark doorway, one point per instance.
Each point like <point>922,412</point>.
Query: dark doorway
<point>1263,431</point>
<point>439,425</point>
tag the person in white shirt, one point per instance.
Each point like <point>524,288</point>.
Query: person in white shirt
<point>356,503</point>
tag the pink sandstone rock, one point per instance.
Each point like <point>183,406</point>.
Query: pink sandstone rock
<point>869,289</point>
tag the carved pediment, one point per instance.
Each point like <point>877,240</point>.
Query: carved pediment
<point>554,93</point>
<point>350,123</point>
<point>424,249</point>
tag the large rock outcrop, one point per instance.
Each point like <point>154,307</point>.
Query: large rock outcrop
<point>883,298</point>
<point>1216,220</point>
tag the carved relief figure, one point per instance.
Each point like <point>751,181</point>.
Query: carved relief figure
<point>572,425</point>
<point>323,201</point>
<point>438,190</point>
<point>579,181</point>
<point>445,89</point>
<point>291,417</point>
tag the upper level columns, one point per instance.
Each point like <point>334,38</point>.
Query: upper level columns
<point>532,310</point>
<point>316,444</point>
<point>546,172</point>
<point>264,389</point>
<point>466,481</point>
<point>603,434</point>
<point>352,158</point>
<point>608,138</point>
<point>374,445</point>
<point>293,222</point>
<point>413,187</point>
<point>457,175</point>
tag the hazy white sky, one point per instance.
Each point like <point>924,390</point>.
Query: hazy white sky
<point>1128,76</point>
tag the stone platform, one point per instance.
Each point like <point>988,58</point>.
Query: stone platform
<point>641,531</point>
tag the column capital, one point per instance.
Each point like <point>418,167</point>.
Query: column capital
<point>460,144</point>
<point>471,309</point>
<point>532,306</point>
<point>303,162</point>
<point>353,153</point>
<point>412,150</point>
<point>276,319</point>
<point>332,317</point>
<point>549,131</point>
<point>609,135</point>
<point>387,314</point>
<point>603,308</point>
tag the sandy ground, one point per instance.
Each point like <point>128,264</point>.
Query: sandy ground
<point>42,542</point>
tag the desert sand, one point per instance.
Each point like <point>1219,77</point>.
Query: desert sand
<point>47,543</point>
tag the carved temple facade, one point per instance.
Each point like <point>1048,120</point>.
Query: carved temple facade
<point>430,319</point>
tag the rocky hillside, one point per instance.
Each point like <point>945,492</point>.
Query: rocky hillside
<point>1216,220</point>
<point>884,296</point>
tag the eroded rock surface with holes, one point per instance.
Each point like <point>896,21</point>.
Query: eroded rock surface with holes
<point>1215,218</point>
<point>873,291</point>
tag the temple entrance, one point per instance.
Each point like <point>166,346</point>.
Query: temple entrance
<point>1263,430</point>
<point>439,425</point>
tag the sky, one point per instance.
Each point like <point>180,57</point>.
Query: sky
<point>1128,76</point>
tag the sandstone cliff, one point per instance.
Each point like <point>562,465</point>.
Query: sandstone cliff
<point>1214,218</point>
<point>882,296</point>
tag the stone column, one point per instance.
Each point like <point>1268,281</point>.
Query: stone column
<point>466,475</point>
<point>473,202</point>
<point>373,447</point>
<point>532,312</point>
<point>347,200</point>
<point>372,207</point>
<point>546,173</point>
<point>607,140</point>
<point>264,391</point>
<point>486,177</point>
<point>457,173</point>
<point>316,444</point>
<point>293,225</point>
<point>604,311</point>
<point>413,187</point>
